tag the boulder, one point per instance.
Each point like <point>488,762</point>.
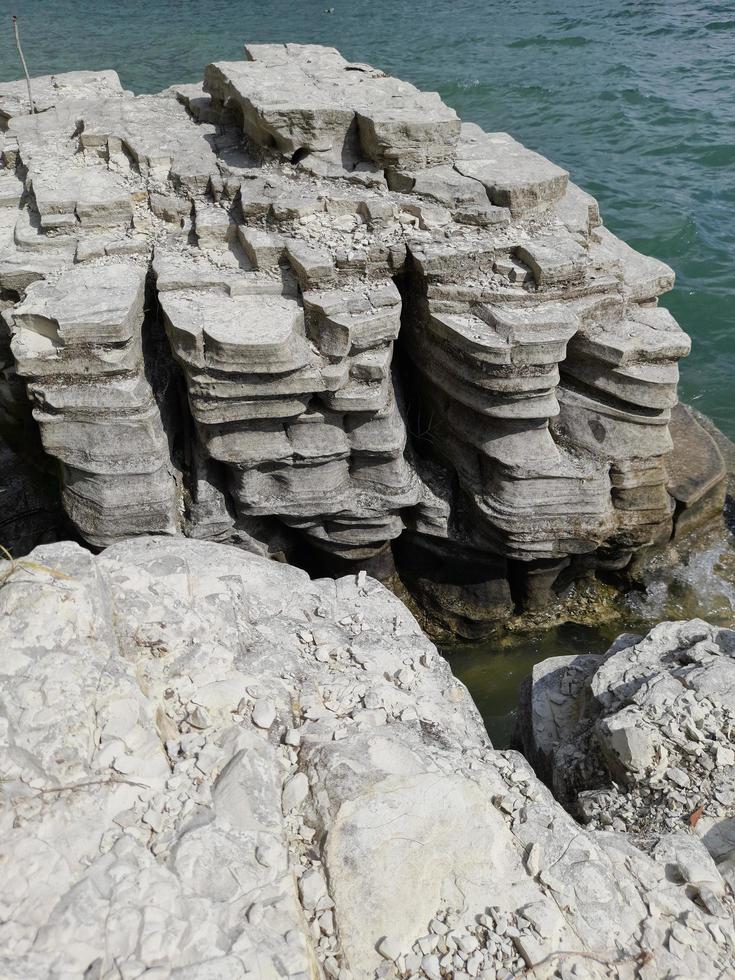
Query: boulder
<point>640,738</point>
<point>235,769</point>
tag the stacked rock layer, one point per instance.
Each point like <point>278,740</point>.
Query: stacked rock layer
<point>385,323</point>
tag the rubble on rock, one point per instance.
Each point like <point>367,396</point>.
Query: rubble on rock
<point>213,766</point>
<point>304,305</point>
<point>642,738</point>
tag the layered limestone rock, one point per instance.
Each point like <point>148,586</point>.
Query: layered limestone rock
<point>641,738</point>
<point>77,342</point>
<point>236,771</point>
<point>304,305</point>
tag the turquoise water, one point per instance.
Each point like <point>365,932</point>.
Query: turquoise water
<point>636,99</point>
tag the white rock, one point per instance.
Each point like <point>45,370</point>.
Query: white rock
<point>430,966</point>
<point>292,737</point>
<point>403,818</point>
<point>263,714</point>
<point>389,950</point>
<point>295,791</point>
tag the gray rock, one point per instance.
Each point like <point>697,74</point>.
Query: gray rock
<point>645,737</point>
<point>50,90</point>
<point>515,177</point>
<point>206,289</point>
<point>414,839</point>
<point>77,342</point>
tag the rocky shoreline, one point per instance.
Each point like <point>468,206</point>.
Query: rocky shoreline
<point>304,309</point>
<point>268,345</point>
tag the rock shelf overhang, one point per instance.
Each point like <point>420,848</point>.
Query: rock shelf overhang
<point>303,302</point>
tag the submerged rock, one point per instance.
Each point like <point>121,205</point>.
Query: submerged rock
<point>214,766</point>
<point>304,309</point>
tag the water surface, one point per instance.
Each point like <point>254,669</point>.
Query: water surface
<point>699,583</point>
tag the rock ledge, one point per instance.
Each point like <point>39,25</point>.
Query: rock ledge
<point>304,309</point>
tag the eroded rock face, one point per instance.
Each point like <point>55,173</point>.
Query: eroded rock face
<point>641,738</point>
<point>384,323</point>
<point>213,766</point>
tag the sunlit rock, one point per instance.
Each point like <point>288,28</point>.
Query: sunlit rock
<point>301,307</point>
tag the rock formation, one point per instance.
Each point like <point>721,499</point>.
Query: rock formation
<point>303,306</point>
<point>642,738</point>
<point>215,767</point>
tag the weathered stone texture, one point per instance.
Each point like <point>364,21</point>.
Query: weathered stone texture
<point>213,766</point>
<point>382,320</point>
<point>641,738</point>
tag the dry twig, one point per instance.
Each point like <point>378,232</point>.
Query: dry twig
<point>92,782</point>
<point>604,960</point>
<point>31,566</point>
<point>23,62</point>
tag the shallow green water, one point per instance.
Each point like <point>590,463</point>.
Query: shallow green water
<point>699,584</point>
<point>636,99</point>
<point>494,671</point>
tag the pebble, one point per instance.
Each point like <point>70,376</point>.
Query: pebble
<point>430,966</point>
<point>389,949</point>
<point>438,927</point>
<point>263,714</point>
<point>326,922</point>
<point>199,717</point>
<point>295,791</point>
<point>312,887</point>
<point>427,944</point>
<point>678,777</point>
<point>468,943</point>
<point>474,963</point>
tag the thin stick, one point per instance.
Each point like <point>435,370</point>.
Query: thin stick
<point>23,62</point>
<point>644,957</point>
<point>92,782</point>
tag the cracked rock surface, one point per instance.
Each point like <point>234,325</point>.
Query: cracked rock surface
<point>302,305</point>
<point>214,767</point>
<point>642,738</point>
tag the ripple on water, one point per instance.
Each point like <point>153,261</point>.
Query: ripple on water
<point>575,41</point>
<point>699,585</point>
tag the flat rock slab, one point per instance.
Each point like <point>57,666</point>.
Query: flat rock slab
<point>651,335</point>
<point>252,334</point>
<point>85,305</point>
<point>49,90</point>
<point>304,98</point>
<point>514,176</point>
